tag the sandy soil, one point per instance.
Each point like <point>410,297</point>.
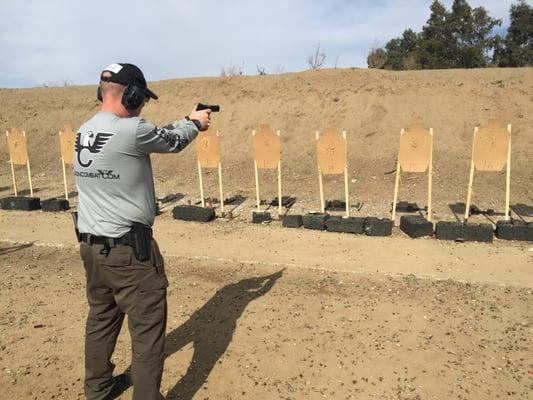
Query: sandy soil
<point>264,332</point>
<point>238,241</point>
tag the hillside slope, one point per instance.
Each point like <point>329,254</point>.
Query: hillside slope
<point>371,105</point>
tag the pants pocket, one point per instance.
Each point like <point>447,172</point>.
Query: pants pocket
<point>152,298</point>
<point>119,256</point>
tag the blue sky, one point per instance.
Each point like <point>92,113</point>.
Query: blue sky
<point>53,41</point>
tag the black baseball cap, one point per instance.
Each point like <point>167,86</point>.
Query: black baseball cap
<point>125,74</point>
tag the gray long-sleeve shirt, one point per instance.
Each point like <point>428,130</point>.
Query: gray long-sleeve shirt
<point>114,173</point>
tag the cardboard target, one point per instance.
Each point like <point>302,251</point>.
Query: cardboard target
<point>18,150</point>
<point>331,152</point>
<point>67,139</point>
<point>267,147</point>
<point>415,148</point>
<point>208,148</point>
<point>414,155</point>
<point>491,147</point>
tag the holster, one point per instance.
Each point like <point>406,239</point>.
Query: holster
<point>75,219</point>
<point>140,239</point>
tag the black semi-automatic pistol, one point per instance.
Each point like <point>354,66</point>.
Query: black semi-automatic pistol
<point>213,107</point>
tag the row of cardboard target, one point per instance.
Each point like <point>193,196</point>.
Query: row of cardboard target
<point>491,151</point>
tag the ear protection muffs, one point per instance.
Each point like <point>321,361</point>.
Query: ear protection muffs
<point>132,97</point>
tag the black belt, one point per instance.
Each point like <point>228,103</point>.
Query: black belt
<point>92,239</point>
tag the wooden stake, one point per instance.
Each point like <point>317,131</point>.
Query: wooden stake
<point>396,183</point>
<point>63,166</point>
<point>346,194</point>
<point>430,175</point>
<point>279,187</point>
<point>201,183</point>
<point>220,186</point>
<point>396,188</point>
<point>29,177</point>
<point>320,184</point>
<point>12,167</point>
<point>322,205</point>
<point>346,191</point>
<point>28,167</point>
<point>64,178</point>
<point>508,181</point>
<point>258,206</point>
<point>14,178</point>
<point>471,179</point>
<point>257,187</point>
<point>280,212</point>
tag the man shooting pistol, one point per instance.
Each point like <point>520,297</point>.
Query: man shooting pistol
<point>124,267</point>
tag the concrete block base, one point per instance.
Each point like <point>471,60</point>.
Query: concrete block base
<point>193,213</point>
<point>292,221</point>
<point>55,205</point>
<point>416,226</point>
<point>514,230</point>
<point>378,226</point>
<point>22,203</point>
<point>315,221</point>
<point>347,225</point>
<point>258,217</point>
<point>447,230</point>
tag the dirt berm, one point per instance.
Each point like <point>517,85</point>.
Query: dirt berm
<point>371,105</point>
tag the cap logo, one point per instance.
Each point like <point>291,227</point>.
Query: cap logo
<point>115,68</point>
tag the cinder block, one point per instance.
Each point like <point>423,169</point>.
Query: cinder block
<point>416,226</point>
<point>514,230</point>
<point>258,217</point>
<point>315,221</point>
<point>55,204</point>
<point>193,213</point>
<point>453,230</point>
<point>20,203</point>
<point>378,226</point>
<point>292,221</point>
<point>347,225</point>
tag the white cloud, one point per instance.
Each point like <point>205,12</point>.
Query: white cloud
<point>53,40</point>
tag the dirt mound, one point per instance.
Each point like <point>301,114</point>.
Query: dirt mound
<point>371,105</point>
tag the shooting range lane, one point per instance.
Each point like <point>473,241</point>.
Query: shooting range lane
<point>506,263</point>
<point>372,106</point>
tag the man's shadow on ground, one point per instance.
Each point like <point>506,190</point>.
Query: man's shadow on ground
<point>210,329</point>
<point>14,248</point>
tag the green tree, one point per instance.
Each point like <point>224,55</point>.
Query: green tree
<point>437,46</point>
<point>402,53</point>
<point>376,58</point>
<point>516,50</point>
<point>472,30</point>
<point>460,38</point>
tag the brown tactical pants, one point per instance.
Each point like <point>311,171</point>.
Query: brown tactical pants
<point>119,284</point>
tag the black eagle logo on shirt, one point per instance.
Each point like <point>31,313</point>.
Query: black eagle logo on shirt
<point>92,142</point>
